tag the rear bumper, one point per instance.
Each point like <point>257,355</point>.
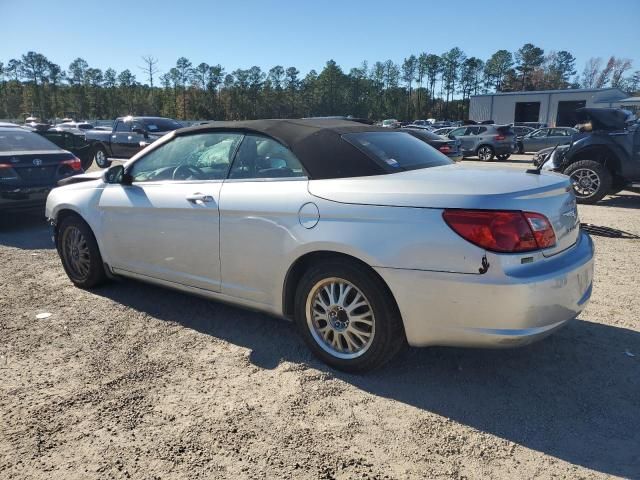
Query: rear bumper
<point>493,310</point>
<point>17,198</point>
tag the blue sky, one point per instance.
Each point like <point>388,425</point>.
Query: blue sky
<point>305,33</point>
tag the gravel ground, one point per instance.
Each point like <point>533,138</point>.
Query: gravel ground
<point>134,381</point>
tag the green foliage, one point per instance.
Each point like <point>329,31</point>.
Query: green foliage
<point>425,85</point>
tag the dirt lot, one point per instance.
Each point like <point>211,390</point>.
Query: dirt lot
<point>133,381</point>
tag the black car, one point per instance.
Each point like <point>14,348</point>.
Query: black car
<point>72,140</point>
<point>450,147</point>
<point>127,137</point>
<point>603,158</point>
<point>30,166</point>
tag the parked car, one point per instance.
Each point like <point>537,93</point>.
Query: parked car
<point>486,141</point>
<point>545,137</point>
<point>75,126</point>
<point>450,148</point>
<point>128,136</point>
<point>391,123</point>
<point>422,123</point>
<point>73,141</point>
<point>604,159</point>
<point>367,238</point>
<point>30,166</point>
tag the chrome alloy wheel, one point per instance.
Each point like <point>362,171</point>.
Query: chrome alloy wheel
<point>585,182</point>
<point>76,252</point>
<point>101,158</point>
<point>340,318</point>
<point>485,153</point>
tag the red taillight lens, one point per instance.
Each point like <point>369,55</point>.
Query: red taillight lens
<point>542,229</point>
<point>74,163</point>
<point>499,137</point>
<point>499,231</point>
<point>445,149</point>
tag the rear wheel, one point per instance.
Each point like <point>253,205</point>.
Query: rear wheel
<point>347,317</point>
<point>485,153</point>
<point>100,157</point>
<point>503,156</point>
<point>591,180</point>
<point>79,253</point>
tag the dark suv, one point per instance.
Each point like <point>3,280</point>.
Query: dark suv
<point>486,141</point>
<point>604,157</point>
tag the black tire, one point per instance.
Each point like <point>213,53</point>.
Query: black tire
<point>100,157</point>
<point>86,161</point>
<point>388,332</point>
<point>485,153</point>
<point>88,251</point>
<point>520,148</point>
<point>599,177</point>
<point>503,156</point>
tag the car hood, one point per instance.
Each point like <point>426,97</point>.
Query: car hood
<point>449,186</point>
<point>461,186</point>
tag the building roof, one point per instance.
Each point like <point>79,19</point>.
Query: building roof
<point>545,92</point>
<point>317,143</point>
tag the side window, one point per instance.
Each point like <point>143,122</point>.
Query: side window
<point>263,157</point>
<point>540,133</point>
<point>122,127</point>
<point>481,130</point>
<point>559,132</point>
<point>458,132</point>
<point>202,156</point>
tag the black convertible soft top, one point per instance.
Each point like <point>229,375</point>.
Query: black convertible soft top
<point>317,143</point>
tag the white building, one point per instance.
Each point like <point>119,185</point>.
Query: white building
<point>553,107</point>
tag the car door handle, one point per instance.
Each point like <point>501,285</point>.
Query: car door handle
<point>200,198</point>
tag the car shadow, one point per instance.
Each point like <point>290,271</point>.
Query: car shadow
<point>574,396</point>
<point>621,200</point>
<point>25,230</point>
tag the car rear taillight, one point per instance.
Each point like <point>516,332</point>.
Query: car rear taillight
<point>502,231</point>
<point>445,149</point>
<point>74,163</point>
<point>499,138</point>
<point>7,172</point>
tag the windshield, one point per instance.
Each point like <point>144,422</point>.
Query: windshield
<point>160,124</point>
<point>23,141</point>
<point>397,151</point>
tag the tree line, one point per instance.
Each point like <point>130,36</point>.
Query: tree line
<point>425,85</point>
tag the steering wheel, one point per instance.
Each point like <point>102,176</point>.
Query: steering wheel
<point>190,170</point>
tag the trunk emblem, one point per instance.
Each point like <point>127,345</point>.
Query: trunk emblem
<point>37,162</point>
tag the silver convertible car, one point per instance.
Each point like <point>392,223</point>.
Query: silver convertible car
<point>367,238</point>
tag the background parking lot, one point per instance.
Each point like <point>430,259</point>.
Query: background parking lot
<point>137,381</point>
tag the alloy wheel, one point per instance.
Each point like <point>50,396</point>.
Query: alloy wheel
<point>585,182</point>
<point>340,318</point>
<point>101,158</point>
<point>485,153</point>
<point>76,252</point>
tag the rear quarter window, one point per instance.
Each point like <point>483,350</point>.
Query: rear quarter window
<point>397,151</point>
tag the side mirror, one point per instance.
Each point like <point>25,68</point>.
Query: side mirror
<point>117,175</point>
<point>140,131</point>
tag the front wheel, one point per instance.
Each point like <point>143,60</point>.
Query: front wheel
<point>347,317</point>
<point>591,180</point>
<point>79,253</point>
<point>100,157</point>
<point>485,153</point>
<point>503,156</point>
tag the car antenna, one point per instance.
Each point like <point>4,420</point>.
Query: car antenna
<point>536,171</point>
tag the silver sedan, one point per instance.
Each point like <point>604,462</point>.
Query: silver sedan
<point>366,238</point>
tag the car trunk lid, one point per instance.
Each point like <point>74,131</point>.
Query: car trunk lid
<point>34,167</point>
<point>459,186</point>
